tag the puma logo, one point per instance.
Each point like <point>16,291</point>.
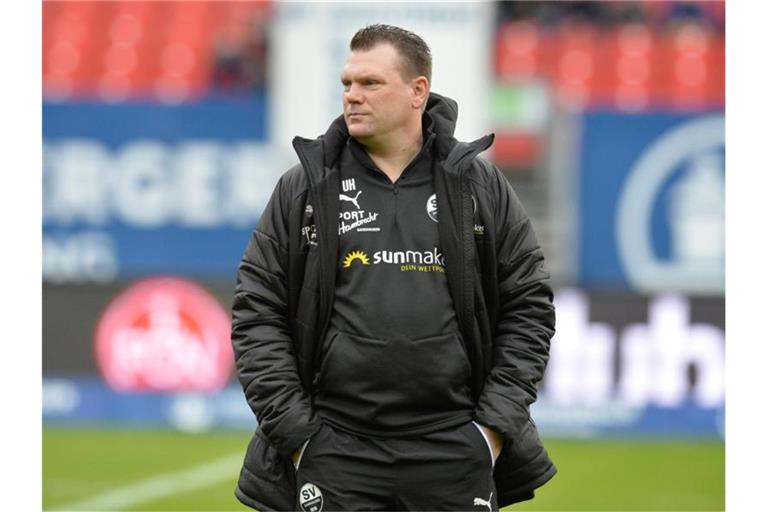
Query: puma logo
<point>352,200</point>
<point>481,501</point>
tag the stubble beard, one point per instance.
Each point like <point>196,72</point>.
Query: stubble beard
<point>361,131</point>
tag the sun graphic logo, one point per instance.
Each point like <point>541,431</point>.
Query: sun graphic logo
<point>356,255</point>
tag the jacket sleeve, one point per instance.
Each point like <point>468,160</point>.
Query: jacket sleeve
<point>264,352</point>
<point>525,322</point>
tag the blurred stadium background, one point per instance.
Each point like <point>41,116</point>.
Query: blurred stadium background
<point>166,125</point>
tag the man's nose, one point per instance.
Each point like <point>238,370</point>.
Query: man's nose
<point>353,94</point>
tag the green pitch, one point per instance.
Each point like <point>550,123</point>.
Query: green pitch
<point>89,469</point>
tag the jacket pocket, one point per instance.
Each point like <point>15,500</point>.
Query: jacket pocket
<point>528,444</point>
<point>266,480</point>
<point>487,443</point>
<point>397,379</point>
<point>304,448</point>
<point>263,460</point>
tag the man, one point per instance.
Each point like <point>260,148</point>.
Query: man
<point>392,315</point>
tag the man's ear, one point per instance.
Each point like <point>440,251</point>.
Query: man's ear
<point>420,89</point>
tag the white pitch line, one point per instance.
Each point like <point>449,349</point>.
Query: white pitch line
<point>160,486</point>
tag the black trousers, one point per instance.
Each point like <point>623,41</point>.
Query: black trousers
<point>446,470</point>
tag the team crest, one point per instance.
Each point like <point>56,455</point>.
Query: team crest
<point>432,207</point>
<point>310,498</point>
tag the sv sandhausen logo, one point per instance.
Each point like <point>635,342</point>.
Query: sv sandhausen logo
<point>421,261</point>
<point>479,229</point>
<point>310,498</point>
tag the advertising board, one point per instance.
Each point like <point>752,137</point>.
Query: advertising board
<point>164,334</point>
<point>137,189</point>
<point>652,208</point>
<point>620,364</point>
<point>623,363</point>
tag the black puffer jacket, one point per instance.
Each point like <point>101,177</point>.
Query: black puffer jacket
<point>285,287</point>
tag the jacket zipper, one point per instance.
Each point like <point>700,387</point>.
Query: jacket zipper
<point>325,287</point>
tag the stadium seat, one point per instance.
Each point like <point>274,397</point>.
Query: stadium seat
<point>121,50</point>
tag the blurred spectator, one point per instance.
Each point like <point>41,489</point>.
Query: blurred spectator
<point>685,11</point>
<point>240,56</point>
<point>254,52</point>
<point>586,11</point>
<point>227,72</point>
<point>553,14</point>
<point>628,12</point>
<point>707,15</point>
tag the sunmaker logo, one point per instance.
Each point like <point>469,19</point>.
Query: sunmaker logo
<point>432,257</point>
<point>356,255</point>
<point>421,261</point>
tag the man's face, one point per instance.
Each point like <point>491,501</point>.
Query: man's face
<point>377,101</point>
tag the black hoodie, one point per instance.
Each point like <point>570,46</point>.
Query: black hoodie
<point>393,362</point>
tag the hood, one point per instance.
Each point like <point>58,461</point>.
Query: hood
<point>444,112</point>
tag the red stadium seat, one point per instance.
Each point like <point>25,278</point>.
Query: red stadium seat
<point>576,64</point>
<point>135,49</point>
<point>518,51</point>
